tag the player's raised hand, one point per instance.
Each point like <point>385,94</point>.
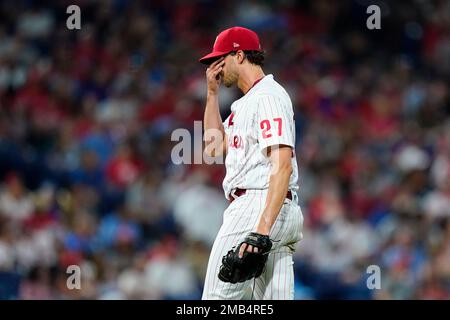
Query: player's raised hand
<point>213,78</point>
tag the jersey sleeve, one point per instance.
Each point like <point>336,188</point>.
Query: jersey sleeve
<point>275,122</point>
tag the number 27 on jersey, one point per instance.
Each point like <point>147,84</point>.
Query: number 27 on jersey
<point>266,127</point>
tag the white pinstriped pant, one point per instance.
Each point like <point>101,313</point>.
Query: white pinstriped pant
<point>240,218</point>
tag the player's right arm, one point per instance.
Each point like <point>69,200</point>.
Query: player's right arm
<point>214,133</point>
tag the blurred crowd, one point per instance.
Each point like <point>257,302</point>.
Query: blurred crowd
<point>86,118</point>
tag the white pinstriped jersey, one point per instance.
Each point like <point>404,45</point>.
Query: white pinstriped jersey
<point>263,117</point>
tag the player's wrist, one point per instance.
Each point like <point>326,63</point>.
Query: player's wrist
<point>263,229</point>
<point>212,93</point>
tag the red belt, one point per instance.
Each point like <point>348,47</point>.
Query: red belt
<point>239,192</point>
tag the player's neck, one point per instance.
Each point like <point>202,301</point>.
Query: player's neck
<point>248,78</point>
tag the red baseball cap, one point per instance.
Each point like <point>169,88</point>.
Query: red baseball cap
<point>232,39</point>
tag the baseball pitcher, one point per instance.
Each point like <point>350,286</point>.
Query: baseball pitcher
<point>252,253</point>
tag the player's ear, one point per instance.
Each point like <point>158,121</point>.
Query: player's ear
<point>240,55</point>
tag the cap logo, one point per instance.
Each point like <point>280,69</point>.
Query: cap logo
<point>235,45</point>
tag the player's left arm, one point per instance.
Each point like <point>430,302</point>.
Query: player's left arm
<point>276,138</point>
<point>280,158</point>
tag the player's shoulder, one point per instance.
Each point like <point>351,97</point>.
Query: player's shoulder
<point>270,92</point>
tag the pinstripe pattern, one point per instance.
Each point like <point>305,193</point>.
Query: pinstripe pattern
<point>257,118</point>
<point>277,281</point>
<point>245,165</point>
<point>226,239</point>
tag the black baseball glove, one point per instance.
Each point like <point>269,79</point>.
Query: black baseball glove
<point>251,265</point>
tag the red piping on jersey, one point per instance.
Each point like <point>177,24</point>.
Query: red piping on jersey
<point>230,121</point>
<point>254,84</point>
